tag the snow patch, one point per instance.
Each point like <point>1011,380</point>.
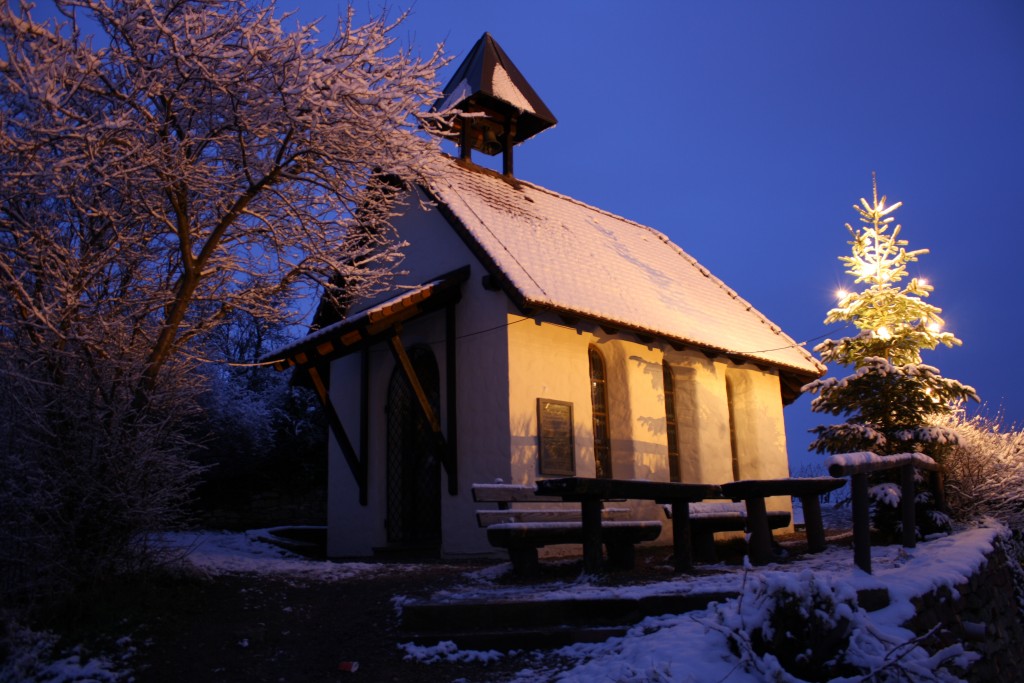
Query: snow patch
<point>447,651</point>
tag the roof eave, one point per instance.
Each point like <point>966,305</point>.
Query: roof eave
<point>793,377</point>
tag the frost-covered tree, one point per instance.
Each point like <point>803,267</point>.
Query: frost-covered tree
<point>189,159</point>
<point>891,399</point>
<point>985,470</point>
<point>260,432</point>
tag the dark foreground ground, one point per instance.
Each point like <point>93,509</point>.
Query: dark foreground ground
<point>254,628</point>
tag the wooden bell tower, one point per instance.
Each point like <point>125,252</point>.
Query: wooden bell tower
<point>499,107</point>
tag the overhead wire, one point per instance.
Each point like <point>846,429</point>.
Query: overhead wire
<point>514,322</point>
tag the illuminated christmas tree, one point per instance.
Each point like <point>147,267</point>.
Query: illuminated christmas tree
<point>891,399</point>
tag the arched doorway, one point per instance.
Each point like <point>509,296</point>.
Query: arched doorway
<point>413,460</point>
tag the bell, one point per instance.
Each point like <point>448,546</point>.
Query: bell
<point>490,145</point>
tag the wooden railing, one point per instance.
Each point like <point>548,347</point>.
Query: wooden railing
<point>858,466</point>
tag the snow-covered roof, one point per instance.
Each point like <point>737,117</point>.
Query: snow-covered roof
<point>557,253</point>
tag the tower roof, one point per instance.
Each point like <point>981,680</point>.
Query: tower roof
<point>487,81</point>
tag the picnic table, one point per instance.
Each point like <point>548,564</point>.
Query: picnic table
<point>591,493</point>
<point>754,491</point>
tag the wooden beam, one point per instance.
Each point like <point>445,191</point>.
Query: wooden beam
<point>908,508</point>
<point>450,458</point>
<point>337,429</point>
<point>410,374</point>
<point>861,521</point>
<point>465,147</point>
<point>364,417</point>
<point>569,320</point>
<point>509,142</point>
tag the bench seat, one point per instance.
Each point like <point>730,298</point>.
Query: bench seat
<point>540,521</point>
<point>707,519</point>
<point>523,539</point>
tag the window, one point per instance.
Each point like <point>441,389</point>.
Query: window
<point>671,428</point>
<point>599,400</point>
<point>730,397</point>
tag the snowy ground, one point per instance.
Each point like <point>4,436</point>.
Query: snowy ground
<point>693,647</point>
<point>690,647</point>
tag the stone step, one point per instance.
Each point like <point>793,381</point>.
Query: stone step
<point>505,624</point>
<point>516,624</point>
<point>520,639</point>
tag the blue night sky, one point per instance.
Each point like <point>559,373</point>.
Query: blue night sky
<point>745,131</point>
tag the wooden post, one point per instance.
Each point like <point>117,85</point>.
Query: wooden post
<point>414,381</point>
<point>907,507</point>
<point>939,490</point>
<point>591,518</point>
<point>815,528</point>
<point>364,424</point>
<point>760,532</point>
<point>681,542</point>
<point>337,429</point>
<point>508,141</point>
<point>451,460</point>
<point>861,521</point>
<point>465,146</point>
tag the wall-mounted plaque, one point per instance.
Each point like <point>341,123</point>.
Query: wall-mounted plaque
<point>554,419</point>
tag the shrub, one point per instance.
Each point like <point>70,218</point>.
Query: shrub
<point>985,471</point>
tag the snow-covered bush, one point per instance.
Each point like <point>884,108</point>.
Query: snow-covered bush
<point>985,472</point>
<point>86,473</point>
<point>800,623</point>
<point>27,655</point>
<point>803,627</point>
<point>259,432</point>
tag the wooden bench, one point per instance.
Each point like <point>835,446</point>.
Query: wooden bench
<point>537,521</point>
<point>707,519</point>
<point>754,492</point>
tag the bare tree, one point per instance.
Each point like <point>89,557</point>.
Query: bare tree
<point>190,159</point>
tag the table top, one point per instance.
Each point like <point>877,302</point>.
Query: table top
<point>575,488</point>
<point>793,486</point>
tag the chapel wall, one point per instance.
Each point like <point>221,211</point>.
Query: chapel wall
<point>482,441</point>
<point>548,358</point>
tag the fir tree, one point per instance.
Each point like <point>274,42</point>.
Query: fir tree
<point>891,400</point>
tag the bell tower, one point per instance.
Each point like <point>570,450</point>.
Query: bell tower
<point>499,108</point>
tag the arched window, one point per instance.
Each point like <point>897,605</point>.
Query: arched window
<point>671,428</point>
<point>599,401</point>
<point>730,397</point>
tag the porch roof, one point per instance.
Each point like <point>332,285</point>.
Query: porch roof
<point>369,326</point>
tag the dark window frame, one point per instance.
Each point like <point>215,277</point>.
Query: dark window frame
<point>599,405</point>
<point>730,398</point>
<point>671,424</point>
